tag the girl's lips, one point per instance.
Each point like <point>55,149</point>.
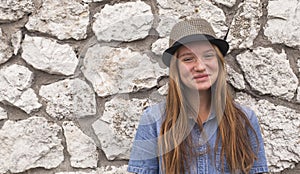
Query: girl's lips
<point>201,76</point>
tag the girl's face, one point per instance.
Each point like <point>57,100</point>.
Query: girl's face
<point>198,65</point>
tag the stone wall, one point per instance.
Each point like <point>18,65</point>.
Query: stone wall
<point>76,76</point>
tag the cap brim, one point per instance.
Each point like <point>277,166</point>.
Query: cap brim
<point>168,53</point>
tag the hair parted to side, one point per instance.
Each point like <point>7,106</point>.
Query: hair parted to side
<point>175,143</point>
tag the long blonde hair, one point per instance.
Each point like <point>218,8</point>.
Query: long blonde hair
<point>175,142</point>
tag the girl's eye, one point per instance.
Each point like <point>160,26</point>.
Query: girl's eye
<point>209,56</point>
<point>187,59</point>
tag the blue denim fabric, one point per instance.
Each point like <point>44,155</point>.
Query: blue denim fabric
<point>144,157</point>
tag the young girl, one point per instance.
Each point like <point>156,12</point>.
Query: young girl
<point>199,128</point>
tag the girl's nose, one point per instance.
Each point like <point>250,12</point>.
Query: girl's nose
<point>199,65</point>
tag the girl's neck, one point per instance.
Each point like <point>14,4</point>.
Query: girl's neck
<point>200,101</point>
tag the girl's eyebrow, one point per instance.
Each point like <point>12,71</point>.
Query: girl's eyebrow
<point>192,54</point>
<point>185,54</point>
<point>209,50</point>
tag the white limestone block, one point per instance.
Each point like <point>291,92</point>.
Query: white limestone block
<point>298,95</point>
<point>269,72</point>
<point>70,98</point>
<point>82,149</point>
<point>213,14</point>
<point>281,132</point>
<point>49,56</point>
<point>159,46</point>
<point>28,144</point>
<point>78,172</point>
<point>5,50</point>
<point>93,0</point>
<point>172,11</point>
<point>283,22</point>
<point>116,128</point>
<point>163,90</point>
<point>298,63</point>
<point>102,170</point>
<point>168,4</point>
<point>3,114</point>
<point>64,19</point>
<point>118,70</point>
<point>235,79</point>
<point>16,39</point>
<point>15,88</point>
<point>168,19</point>
<point>228,3</point>
<point>123,22</point>
<point>11,10</point>
<point>113,170</point>
<point>28,101</point>
<point>18,76</point>
<point>245,25</point>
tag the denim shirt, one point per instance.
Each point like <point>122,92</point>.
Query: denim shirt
<point>144,158</point>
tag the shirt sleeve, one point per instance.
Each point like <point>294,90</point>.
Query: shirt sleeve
<point>260,165</point>
<point>144,156</point>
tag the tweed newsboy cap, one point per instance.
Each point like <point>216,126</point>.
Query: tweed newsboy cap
<point>190,31</point>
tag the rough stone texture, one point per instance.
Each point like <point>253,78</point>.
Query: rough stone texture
<point>64,19</point>
<point>170,12</point>
<point>81,147</point>
<point>103,170</point>
<point>14,88</point>
<point>93,0</point>
<point>269,72</point>
<point>113,170</point>
<point>159,46</point>
<point>298,94</point>
<point>235,79</point>
<point>3,114</point>
<point>283,22</point>
<point>6,51</point>
<point>117,70</point>
<point>92,172</point>
<point>175,4</point>
<point>116,128</point>
<point>123,22</point>
<point>29,144</point>
<point>28,101</point>
<point>16,39</point>
<point>245,25</point>
<point>166,22</point>
<point>298,63</point>
<point>213,14</point>
<point>11,10</point>
<point>228,3</point>
<point>281,131</point>
<point>69,99</point>
<point>16,75</point>
<point>47,55</point>
<point>163,90</point>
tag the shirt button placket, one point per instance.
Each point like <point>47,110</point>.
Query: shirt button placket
<point>202,160</point>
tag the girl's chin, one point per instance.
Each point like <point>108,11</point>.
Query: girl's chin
<point>199,88</point>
